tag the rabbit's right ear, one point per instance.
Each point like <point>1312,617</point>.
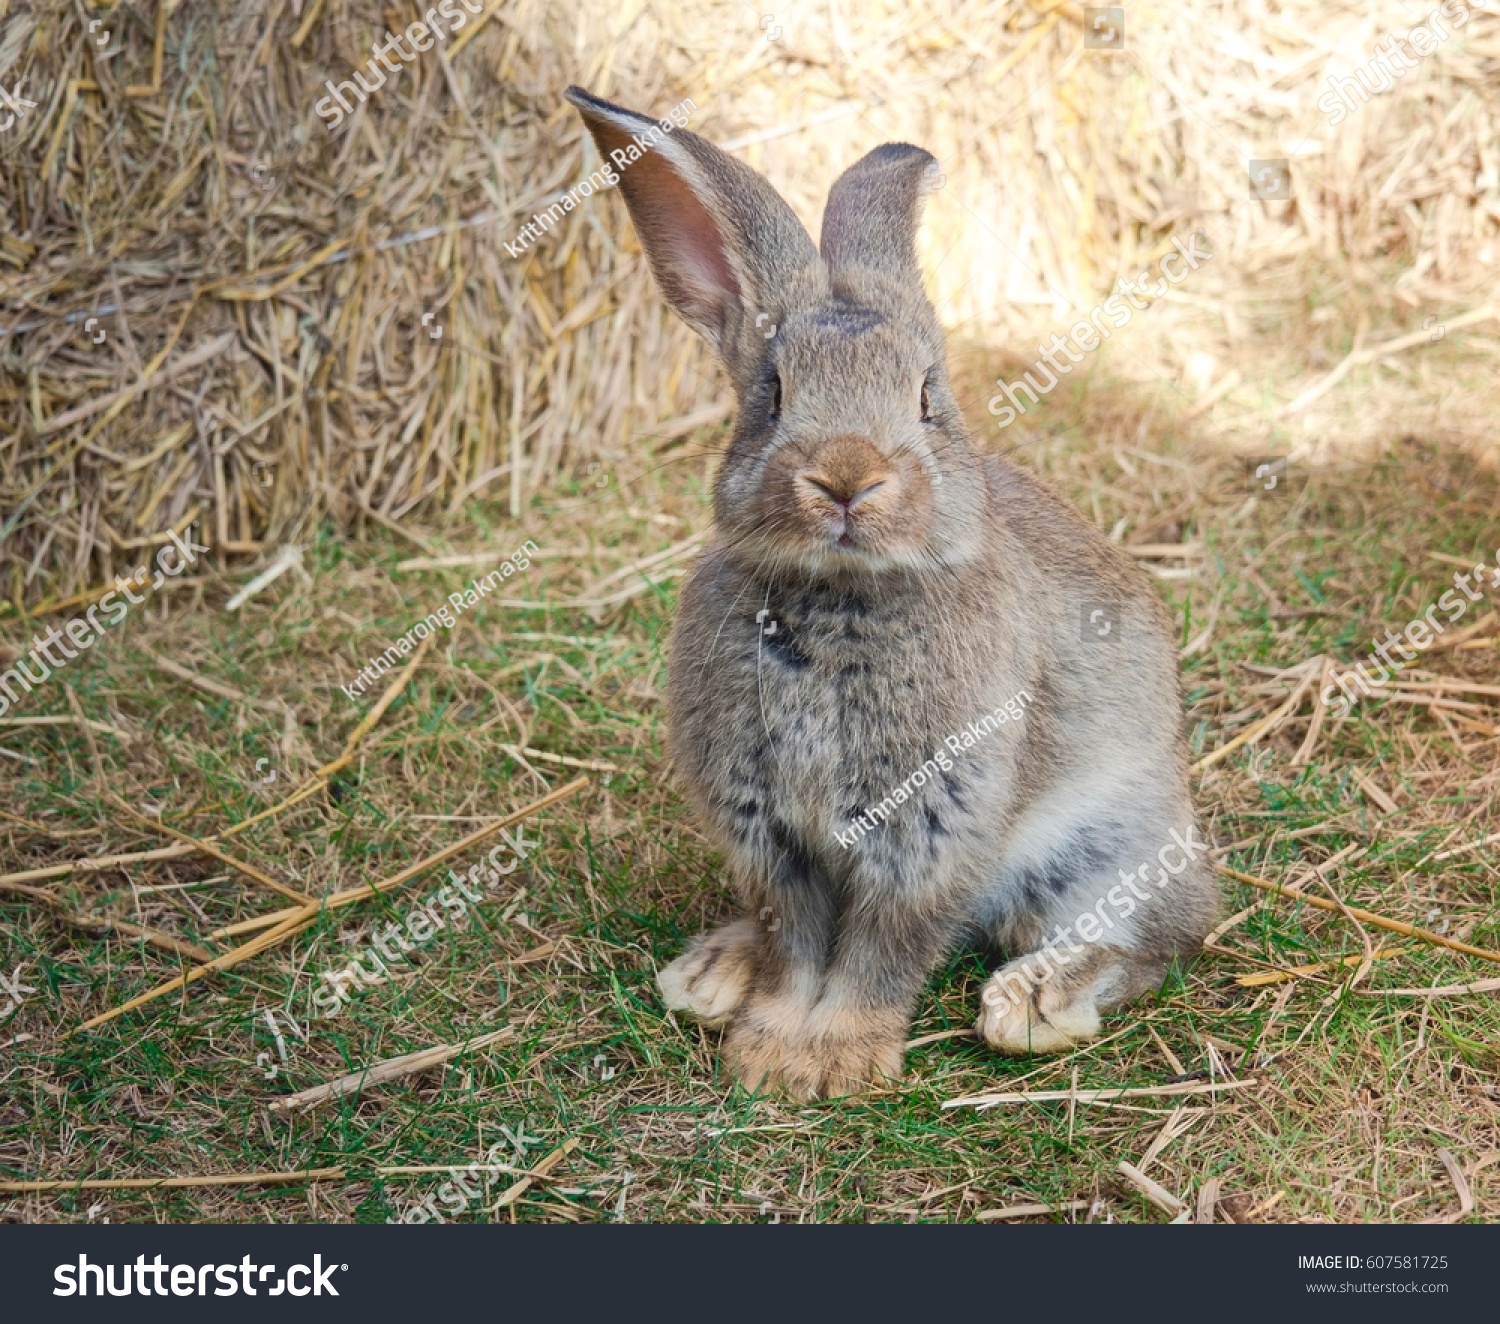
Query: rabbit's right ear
<point>721,240</point>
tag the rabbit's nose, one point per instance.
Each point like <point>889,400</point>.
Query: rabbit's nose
<point>846,470</point>
<point>839,494</point>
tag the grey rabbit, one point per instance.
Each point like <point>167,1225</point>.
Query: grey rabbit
<point>918,700</point>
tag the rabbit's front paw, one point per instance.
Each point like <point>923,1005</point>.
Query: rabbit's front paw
<point>711,978</point>
<point>815,1054</point>
<point>1029,1008</point>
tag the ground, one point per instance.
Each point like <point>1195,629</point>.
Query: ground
<point>1353,1097</point>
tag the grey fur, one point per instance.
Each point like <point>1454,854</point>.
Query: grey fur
<point>965,585</point>
<point>872,213</point>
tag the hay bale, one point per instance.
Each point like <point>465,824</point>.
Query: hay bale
<point>268,291</point>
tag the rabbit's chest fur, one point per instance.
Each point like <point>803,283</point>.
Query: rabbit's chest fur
<point>792,725</point>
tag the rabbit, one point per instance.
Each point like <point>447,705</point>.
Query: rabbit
<point>918,700</point>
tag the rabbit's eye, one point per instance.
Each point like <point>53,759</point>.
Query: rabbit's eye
<point>776,396</point>
<point>926,403</point>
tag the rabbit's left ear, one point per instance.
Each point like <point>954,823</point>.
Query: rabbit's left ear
<point>721,241</point>
<point>873,211</point>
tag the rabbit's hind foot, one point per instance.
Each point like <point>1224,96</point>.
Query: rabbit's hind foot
<point>824,1051</point>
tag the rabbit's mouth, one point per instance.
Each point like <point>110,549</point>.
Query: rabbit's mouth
<point>848,522</point>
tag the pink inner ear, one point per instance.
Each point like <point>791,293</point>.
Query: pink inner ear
<point>690,258</point>
<point>683,241</point>
<point>704,263</point>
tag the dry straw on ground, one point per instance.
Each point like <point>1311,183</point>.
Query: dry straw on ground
<point>270,370</point>
<point>265,294</point>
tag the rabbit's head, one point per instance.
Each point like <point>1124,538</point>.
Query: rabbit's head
<point>849,452</point>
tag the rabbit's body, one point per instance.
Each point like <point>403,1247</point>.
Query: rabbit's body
<point>875,593</point>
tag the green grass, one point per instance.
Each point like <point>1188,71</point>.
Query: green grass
<point>1356,1093</point>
